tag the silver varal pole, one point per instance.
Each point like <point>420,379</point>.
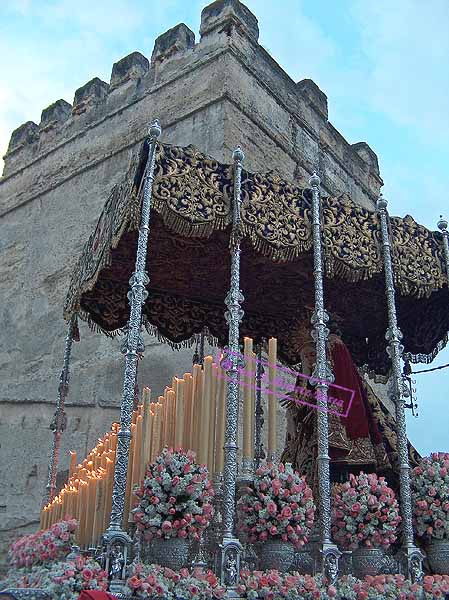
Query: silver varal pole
<point>230,550</point>
<point>59,421</point>
<point>324,376</point>
<point>413,556</point>
<point>117,541</point>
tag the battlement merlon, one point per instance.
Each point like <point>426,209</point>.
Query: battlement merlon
<point>224,90</point>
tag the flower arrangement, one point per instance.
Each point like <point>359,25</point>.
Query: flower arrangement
<point>25,577</point>
<point>174,498</point>
<point>67,579</point>
<point>399,588</point>
<point>154,581</point>
<point>279,504</point>
<point>430,491</point>
<point>272,585</point>
<point>62,580</point>
<point>365,512</point>
<point>44,546</point>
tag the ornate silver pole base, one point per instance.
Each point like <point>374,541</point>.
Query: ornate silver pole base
<point>330,555</point>
<point>117,545</point>
<point>229,568</point>
<point>411,559</point>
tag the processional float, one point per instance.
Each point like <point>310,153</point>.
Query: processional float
<point>297,246</point>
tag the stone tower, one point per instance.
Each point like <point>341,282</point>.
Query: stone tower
<point>223,90</point>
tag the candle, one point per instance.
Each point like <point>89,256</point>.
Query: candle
<point>110,467</point>
<point>247,381</point>
<point>99,508</point>
<point>171,417</point>
<point>188,415</point>
<point>72,463</point>
<point>129,477</point>
<point>197,395</point>
<point>203,449</point>
<point>91,496</point>
<point>165,420</point>
<point>180,412</point>
<point>221,410</point>
<point>115,430</point>
<point>253,403</point>
<point>82,511</point>
<point>212,419</point>
<point>44,515</point>
<point>146,431</point>
<point>156,441</point>
<point>272,404</point>
<point>137,452</point>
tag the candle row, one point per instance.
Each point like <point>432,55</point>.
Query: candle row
<point>189,415</point>
<point>192,414</point>
<point>87,495</point>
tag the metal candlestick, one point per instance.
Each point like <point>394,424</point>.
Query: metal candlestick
<point>117,541</point>
<point>231,547</point>
<point>59,421</point>
<point>323,374</point>
<point>412,554</point>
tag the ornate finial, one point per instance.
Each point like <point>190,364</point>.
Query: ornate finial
<point>314,181</point>
<point>442,224</point>
<point>238,154</point>
<point>155,129</point>
<point>382,203</point>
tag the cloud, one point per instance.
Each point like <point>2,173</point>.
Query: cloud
<point>55,47</point>
<point>406,45</point>
<point>295,40</point>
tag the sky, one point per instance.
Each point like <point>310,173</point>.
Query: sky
<point>383,65</point>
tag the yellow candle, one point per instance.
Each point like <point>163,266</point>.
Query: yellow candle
<point>203,450</point>
<point>219,439</point>
<point>272,403</point>
<point>110,466</point>
<point>91,496</point>
<point>83,511</point>
<point>212,420</point>
<point>247,421</point>
<point>146,432</point>
<point>180,414</point>
<point>99,509</point>
<point>253,402</point>
<point>165,422</point>
<point>129,477</point>
<point>137,452</point>
<point>72,463</point>
<point>156,440</point>
<point>197,397</point>
<point>171,417</point>
<point>187,433</point>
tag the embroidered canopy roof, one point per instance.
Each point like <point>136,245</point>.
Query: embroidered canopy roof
<point>189,263</point>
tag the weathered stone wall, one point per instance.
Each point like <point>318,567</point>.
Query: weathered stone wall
<point>214,94</point>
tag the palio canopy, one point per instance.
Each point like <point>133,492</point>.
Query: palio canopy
<point>189,263</point>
